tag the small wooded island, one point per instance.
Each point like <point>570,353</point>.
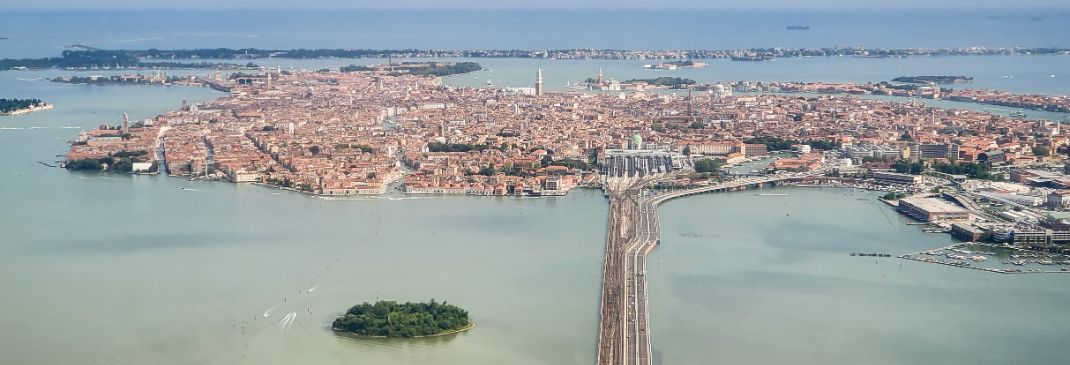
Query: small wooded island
<point>20,106</point>
<point>437,69</point>
<point>406,320</point>
<point>673,82</point>
<point>942,79</point>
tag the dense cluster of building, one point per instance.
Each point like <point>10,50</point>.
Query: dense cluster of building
<point>1053,103</point>
<point>340,133</point>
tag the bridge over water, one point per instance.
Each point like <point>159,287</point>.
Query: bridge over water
<point>634,231</point>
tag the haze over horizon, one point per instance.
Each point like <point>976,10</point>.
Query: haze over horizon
<point>528,4</point>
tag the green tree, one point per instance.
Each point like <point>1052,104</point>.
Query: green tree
<point>1041,151</point>
<point>122,165</point>
<point>546,160</point>
<point>88,164</point>
<point>572,164</point>
<point>708,165</point>
<point>392,319</point>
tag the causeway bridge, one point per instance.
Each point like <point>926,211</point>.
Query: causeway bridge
<point>633,233</point>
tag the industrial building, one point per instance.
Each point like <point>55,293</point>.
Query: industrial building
<point>931,209</point>
<point>949,151</point>
<point>896,178</point>
<point>967,232</point>
<point>1040,238</point>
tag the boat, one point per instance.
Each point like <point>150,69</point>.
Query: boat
<point>797,27</point>
<point>1018,114</point>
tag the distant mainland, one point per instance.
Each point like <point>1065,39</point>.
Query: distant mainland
<point>86,57</point>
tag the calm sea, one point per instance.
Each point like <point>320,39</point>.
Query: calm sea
<point>44,33</point>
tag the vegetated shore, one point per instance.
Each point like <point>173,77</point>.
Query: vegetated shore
<point>447,333</point>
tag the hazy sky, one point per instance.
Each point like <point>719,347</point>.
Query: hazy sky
<point>527,4</point>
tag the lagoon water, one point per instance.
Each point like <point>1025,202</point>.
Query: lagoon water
<point>106,269</point>
<point>747,279</point>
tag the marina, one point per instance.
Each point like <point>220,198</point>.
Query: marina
<point>994,258</point>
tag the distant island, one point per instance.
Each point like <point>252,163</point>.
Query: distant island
<point>672,65</point>
<point>79,56</point>
<point>103,59</point>
<point>934,79</point>
<point>405,320</point>
<point>673,82</point>
<point>22,106</point>
<point>437,69</point>
<point>798,27</point>
<point>752,57</point>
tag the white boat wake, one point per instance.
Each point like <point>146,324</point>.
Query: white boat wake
<point>286,322</point>
<point>269,310</point>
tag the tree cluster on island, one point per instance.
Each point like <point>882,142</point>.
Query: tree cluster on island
<point>357,68</point>
<point>445,69</point>
<point>113,79</point>
<point>673,82</point>
<point>437,69</point>
<point>122,161</point>
<point>943,79</point>
<point>14,105</point>
<point>684,63</point>
<point>98,58</point>
<point>910,86</point>
<point>404,320</point>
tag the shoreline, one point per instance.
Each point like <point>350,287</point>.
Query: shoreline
<point>31,109</point>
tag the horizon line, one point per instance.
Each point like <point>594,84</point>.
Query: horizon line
<point>581,8</point>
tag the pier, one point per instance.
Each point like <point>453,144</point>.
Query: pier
<point>633,233</point>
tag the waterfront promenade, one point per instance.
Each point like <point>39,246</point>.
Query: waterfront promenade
<point>633,233</point>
